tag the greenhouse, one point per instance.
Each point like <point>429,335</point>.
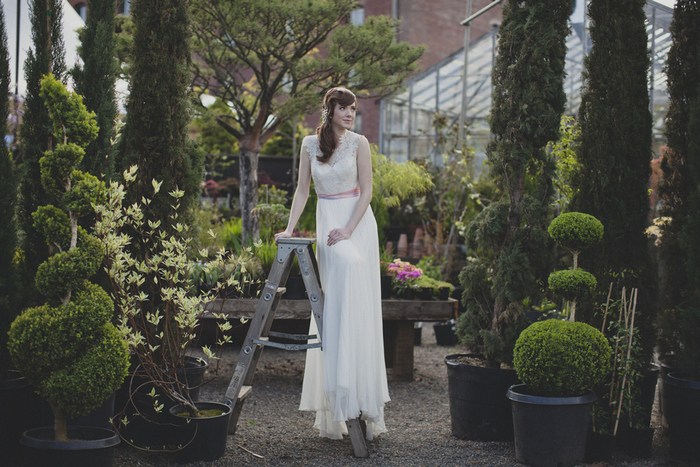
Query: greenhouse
<point>406,132</point>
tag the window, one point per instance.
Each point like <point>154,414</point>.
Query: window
<point>357,125</point>
<point>357,17</point>
<point>81,8</point>
<point>125,7</point>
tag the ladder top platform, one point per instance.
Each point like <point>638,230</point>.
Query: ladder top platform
<point>297,240</point>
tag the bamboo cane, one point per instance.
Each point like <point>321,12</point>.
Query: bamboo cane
<point>613,384</point>
<point>607,307</point>
<point>633,298</point>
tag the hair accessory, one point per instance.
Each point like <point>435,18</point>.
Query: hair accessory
<point>324,115</point>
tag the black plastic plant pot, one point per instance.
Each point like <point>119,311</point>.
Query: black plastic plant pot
<point>479,409</point>
<point>385,283</point>
<point>21,410</point>
<point>92,447</point>
<point>296,289</point>
<point>445,334</point>
<point>683,417</point>
<point>152,429</point>
<point>207,436</point>
<point>549,431</point>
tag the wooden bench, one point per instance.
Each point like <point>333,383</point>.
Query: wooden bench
<point>399,318</point>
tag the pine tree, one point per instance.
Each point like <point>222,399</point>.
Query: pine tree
<point>8,196</point>
<point>270,71</point>
<point>528,100</point>
<point>615,153</point>
<point>155,135</point>
<point>95,81</point>
<point>36,132</point>
<point>682,68</point>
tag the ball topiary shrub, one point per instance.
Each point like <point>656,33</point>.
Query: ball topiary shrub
<point>67,348</point>
<point>576,231</point>
<point>572,284</point>
<point>561,358</point>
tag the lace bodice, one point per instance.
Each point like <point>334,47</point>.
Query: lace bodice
<point>339,174</point>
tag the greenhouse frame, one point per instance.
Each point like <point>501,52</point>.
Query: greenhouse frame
<point>406,121</point>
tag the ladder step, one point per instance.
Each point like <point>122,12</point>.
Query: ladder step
<point>244,392</point>
<point>294,337</point>
<point>266,342</point>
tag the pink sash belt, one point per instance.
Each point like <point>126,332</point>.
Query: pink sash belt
<point>346,194</point>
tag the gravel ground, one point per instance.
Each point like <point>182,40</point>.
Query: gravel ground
<point>272,432</point>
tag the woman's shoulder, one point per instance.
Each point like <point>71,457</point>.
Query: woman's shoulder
<point>355,139</point>
<point>310,142</point>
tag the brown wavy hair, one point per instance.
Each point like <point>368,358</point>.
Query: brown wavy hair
<point>326,138</point>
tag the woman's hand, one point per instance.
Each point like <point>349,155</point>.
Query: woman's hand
<point>338,235</point>
<point>283,234</point>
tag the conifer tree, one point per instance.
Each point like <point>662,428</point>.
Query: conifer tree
<point>36,132</point>
<point>682,69</point>
<point>614,156</point>
<point>95,81</point>
<point>528,100</point>
<point>8,196</point>
<point>268,71</point>
<point>155,135</point>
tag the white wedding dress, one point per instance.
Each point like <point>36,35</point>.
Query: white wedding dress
<point>348,378</point>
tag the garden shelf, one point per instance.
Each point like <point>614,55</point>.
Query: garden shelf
<point>399,317</point>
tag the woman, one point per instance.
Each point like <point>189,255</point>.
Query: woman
<point>347,379</point>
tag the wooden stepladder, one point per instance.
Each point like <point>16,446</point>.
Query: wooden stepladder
<point>259,332</point>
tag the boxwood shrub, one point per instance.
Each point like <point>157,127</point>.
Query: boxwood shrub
<point>561,358</point>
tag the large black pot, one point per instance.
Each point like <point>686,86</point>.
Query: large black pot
<point>206,437</point>
<point>667,365</point>
<point>445,334</point>
<point>20,412</point>
<point>92,447</point>
<point>549,431</point>
<point>683,417</point>
<point>153,429</point>
<point>479,408</point>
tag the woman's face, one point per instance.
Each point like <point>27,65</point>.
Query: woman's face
<point>343,116</point>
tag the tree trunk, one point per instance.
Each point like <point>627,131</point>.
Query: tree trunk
<point>249,192</point>
<point>60,428</point>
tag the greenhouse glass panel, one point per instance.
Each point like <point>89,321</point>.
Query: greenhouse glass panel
<point>408,116</point>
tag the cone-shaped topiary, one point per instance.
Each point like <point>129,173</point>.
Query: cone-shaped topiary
<point>561,359</point>
<point>67,348</point>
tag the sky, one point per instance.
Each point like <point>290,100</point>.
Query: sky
<point>71,22</point>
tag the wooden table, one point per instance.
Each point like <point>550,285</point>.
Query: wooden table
<point>399,318</point>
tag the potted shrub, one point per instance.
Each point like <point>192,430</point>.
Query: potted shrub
<point>159,319</point>
<point>559,363</point>
<point>574,231</point>
<point>67,348</point>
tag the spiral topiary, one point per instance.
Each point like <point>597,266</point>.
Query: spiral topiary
<point>67,348</point>
<point>561,358</point>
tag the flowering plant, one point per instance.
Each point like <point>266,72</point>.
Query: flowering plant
<point>404,271</point>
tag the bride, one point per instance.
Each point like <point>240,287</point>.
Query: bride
<point>346,380</point>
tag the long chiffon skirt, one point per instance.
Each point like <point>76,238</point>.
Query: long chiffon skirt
<point>347,379</point>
